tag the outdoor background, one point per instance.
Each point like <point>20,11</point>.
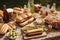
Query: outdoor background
<point>20,3</point>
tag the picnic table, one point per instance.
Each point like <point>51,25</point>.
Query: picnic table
<point>54,35</point>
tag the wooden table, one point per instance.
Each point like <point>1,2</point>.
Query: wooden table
<point>19,37</point>
<point>49,35</point>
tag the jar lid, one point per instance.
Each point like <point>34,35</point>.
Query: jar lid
<point>9,10</point>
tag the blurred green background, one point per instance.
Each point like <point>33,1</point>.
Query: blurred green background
<point>20,3</point>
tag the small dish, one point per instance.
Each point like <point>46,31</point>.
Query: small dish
<point>12,35</point>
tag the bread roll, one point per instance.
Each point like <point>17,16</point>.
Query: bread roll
<point>30,19</point>
<point>9,28</point>
<point>18,18</point>
<point>28,14</point>
<point>1,24</point>
<point>17,10</point>
<point>12,25</point>
<point>34,30</point>
<point>24,15</point>
<point>24,23</point>
<point>4,29</point>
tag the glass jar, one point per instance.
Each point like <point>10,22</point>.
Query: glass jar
<point>10,11</point>
<point>53,8</point>
<point>43,12</point>
<point>49,28</point>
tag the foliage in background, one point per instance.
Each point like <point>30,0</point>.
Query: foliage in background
<point>20,3</point>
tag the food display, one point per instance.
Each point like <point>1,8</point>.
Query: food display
<point>31,22</point>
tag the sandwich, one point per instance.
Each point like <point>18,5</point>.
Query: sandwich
<point>30,19</point>
<point>25,21</point>
<point>12,25</point>
<point>28,14</point>
<point>31,31</point>
<point>34,32</point>
<point>4,29</point>
<point>19,18</point>
<point>17,10</point>
<point>24,15</point>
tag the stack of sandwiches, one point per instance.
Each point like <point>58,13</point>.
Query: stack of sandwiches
<point>23,18</point>
<point>4,28</point>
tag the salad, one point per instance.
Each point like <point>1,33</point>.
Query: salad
<point>12,34</point>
